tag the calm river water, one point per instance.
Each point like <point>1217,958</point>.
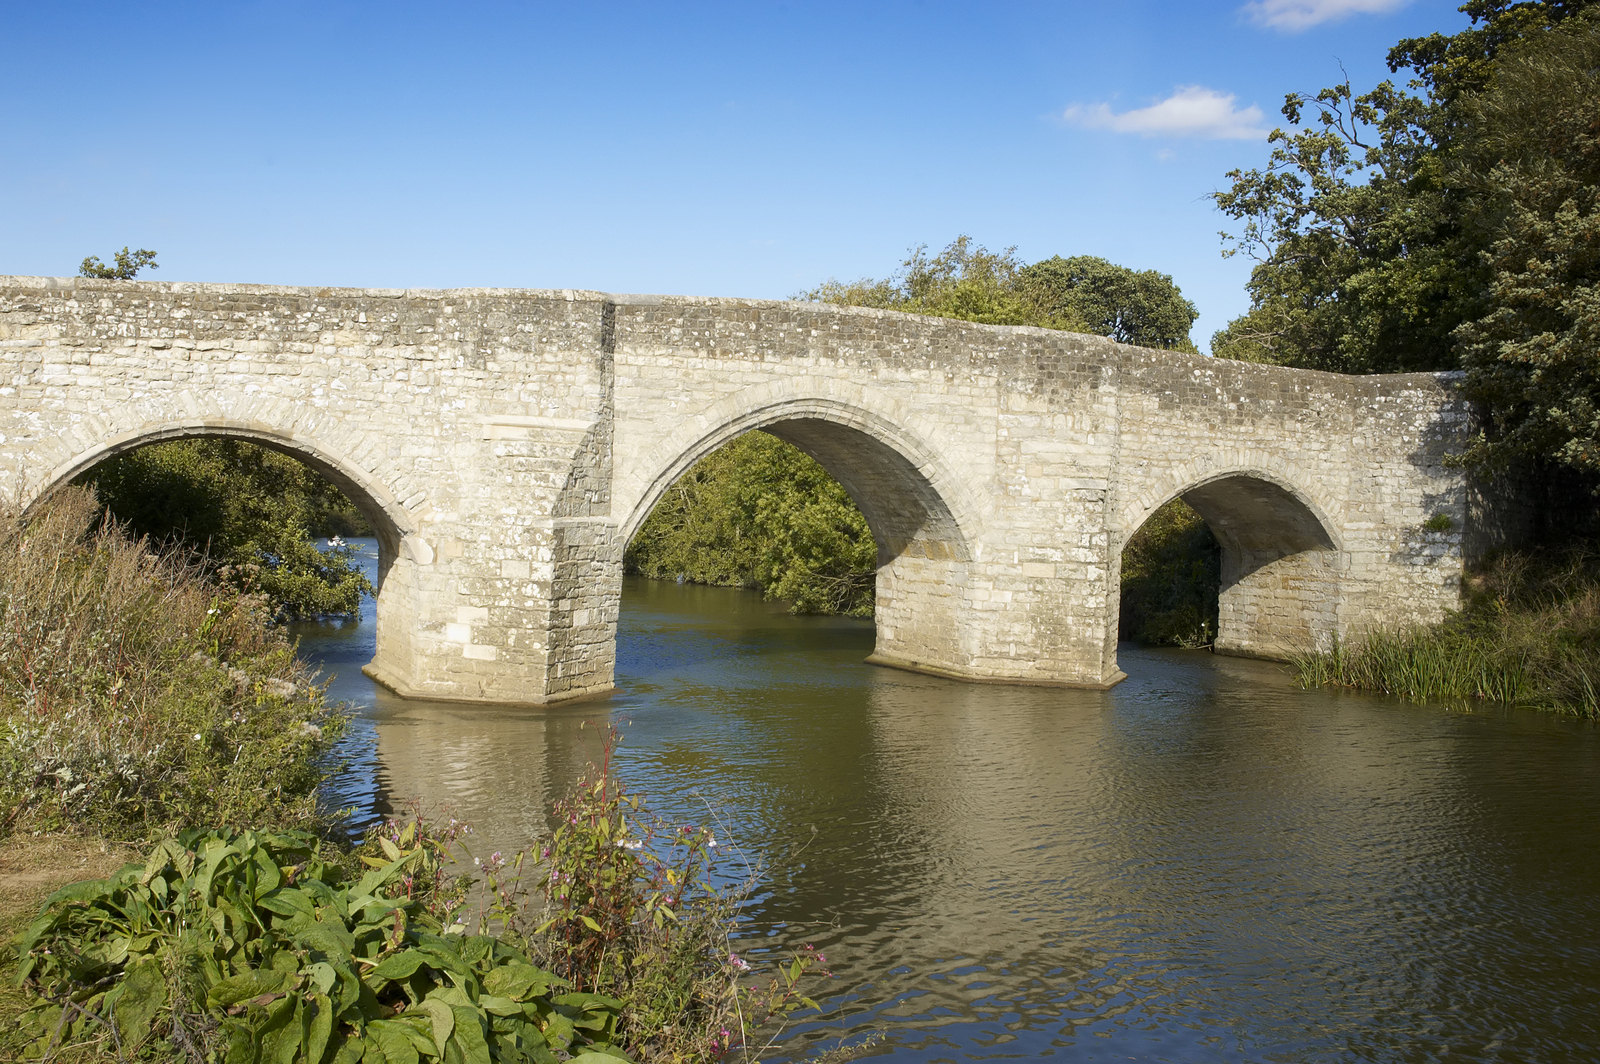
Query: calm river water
<point>1201,864</point>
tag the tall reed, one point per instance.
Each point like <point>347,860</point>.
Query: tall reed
<point>1529,634</point>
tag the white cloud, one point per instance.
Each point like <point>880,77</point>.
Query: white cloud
<point>1297,15</point>
<point>1191,111</point>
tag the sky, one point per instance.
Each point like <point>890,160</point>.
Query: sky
<point>743,149</point>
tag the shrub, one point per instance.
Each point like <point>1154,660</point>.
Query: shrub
<point>629,911</point>
<point>136,695</point>
<point>246,515</point>
<point>247,947</point>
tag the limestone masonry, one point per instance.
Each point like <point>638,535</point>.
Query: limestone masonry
<point>507,443</point>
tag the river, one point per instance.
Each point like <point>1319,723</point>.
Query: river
<point>1202,864</point>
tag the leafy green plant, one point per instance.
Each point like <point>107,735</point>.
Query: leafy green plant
<point>248,947</point>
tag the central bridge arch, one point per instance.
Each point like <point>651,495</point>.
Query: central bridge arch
<point>913,506</point>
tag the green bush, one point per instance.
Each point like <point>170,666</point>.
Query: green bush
<point>244,513</point>
<point>136,695</point>
<point>246,947</point>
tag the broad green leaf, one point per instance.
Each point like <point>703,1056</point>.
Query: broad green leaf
<point>518,981</point>
<point>468,1036</point>
<point>144,991</point>
<point>559,1031</point>
<point>321,1027</point>
<point>287,901</point>
<point>499,1006</point>
<point>248,985</point>
<point>401,965</point>
<point>327,936</point>
<point>280,1034</point>
<point>443,1019</point>
<point>394,1039</point>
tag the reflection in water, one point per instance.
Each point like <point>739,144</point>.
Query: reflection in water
<point>1201,864</point>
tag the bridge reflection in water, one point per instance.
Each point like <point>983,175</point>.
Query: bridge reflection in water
<point>1200,864</point>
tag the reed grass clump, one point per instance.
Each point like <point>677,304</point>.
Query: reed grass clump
<point>136,696</point>
<point>1529,634</point>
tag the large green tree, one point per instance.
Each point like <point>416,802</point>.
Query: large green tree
<point>1361,223</point>
<point>760,513</point>
<point>1090,294</point>
<point>1078,294</point>
<point>1533,167</point>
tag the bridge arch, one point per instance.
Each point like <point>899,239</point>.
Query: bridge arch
<point>921,516</point>
<point>1283,558</point>
<point>401,549</point>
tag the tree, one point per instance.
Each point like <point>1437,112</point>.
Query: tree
<point>246,514</point>
<point>1139,307</point>
<point>125,265</point>
<point>1533,167</point>
<point>965,281</point>
<point>1080,294</point>
<point>760,513</point>
<point>1366,260</point>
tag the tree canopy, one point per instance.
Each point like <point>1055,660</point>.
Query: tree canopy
<point>125,265</point>
<point>246,514</point>
<point>1446,224</point>
<point>1079,294</point>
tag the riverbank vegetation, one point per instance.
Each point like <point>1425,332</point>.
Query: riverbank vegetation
<point>760,513</point>
<point>244,514</point>
<point>1529,634</point>
<point>1452,223</point>
<point>136,693</point>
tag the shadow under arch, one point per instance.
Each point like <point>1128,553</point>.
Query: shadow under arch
<point>399,548</point>
<point>1282,562</point>
<point>905,494</point>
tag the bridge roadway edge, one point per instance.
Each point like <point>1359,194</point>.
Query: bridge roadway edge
<point>511,433</point>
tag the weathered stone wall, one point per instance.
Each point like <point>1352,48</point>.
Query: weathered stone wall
<point>507,443</point>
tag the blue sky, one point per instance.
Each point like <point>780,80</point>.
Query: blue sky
<point>741,149</point>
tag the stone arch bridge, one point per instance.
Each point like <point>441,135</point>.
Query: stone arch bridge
<point>506,444</point>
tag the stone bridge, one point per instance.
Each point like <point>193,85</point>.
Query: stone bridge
<point>507,443</point>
